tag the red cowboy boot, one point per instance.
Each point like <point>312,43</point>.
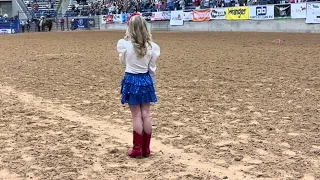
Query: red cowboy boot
<point>146,144</point>
<point>136,151</point>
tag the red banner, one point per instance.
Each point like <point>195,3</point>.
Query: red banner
<point>201,15</point>
<point>107,19</point>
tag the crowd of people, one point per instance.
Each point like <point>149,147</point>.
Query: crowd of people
<point>104,7</point>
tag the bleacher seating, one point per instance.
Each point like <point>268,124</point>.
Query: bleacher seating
<point>42,7</point>
<point>96,7</point>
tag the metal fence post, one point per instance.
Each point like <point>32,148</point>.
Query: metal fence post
<point>57,23</point>
<point>67,18</point>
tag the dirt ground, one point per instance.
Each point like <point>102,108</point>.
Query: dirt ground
<point>231,106</point>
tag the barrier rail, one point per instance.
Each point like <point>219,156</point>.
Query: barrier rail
<point>9,27</point>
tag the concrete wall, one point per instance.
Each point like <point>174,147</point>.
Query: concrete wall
<point>11,7</point>
<point>19,6</point>
<point>6,7</point>
<point>289,25</point>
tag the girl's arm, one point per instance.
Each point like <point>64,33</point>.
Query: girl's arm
<point>121,48</point>
<point>152,64</point>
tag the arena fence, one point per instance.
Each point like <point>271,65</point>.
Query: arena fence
<point>160,25</point>
<point>72,23</point>
<point>310,11</point>
<point>307,11</point>
<point>64,23</point>
<point>9,26</point>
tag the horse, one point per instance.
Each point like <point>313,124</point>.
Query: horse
<point>46,22</point>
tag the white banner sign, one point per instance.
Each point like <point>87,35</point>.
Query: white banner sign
<point>160,16</point>
<point>219,13</point>
<point>298,10</point>
<point>176,18</point>
<point>187,16</point>
<point>106,19</point>
<point>117,18</point>
<point>313,13</point>
<point>5,31</point>
<point>261,12</point>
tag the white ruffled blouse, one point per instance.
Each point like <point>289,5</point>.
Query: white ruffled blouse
<point>136,65</point>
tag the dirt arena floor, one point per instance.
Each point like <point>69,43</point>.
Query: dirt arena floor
<point>231,106</point>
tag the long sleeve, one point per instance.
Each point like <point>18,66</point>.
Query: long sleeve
<point>121,48</point>
<point>152,64</point>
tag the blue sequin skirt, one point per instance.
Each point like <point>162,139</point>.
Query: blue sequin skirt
<point>137,89</point>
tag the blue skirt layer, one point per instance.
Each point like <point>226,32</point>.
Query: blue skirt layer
<point>137,89</point>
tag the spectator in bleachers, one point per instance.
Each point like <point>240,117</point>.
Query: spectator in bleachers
<point>227,3</point>
<point>171,4</point>
<point>197,4</point>
<point>159,4</point>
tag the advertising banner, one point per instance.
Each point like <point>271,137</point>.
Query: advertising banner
<point>282,11</point>
<point>261,12</point>
<point>147,16</point>
<point>218,13</point>
<point>81,23</point>
<point>187,16</point>
<point>313,13</point>
<point>298,10</point>
<point>238,13</point>
<point>201,15</point>
<point>107,19</point>
<point>176,18</point>
<point>10,27</point>
<point>117,18</point>
<point>124,18</point>
<point>160,16</point>
<point>5,31</point>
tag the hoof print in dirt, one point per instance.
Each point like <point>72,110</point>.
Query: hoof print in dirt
<point>238,158</point>
<point>114,151</point>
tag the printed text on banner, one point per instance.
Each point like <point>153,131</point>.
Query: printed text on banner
<point>5,31</point>
<point>282,11</point>
<point>160,16</point>
<point>218,13</point>
<point>261,12</point>
<point>107,19</point>
<point>313,13</point>
<point>238,13</point>
<point>117,18</point>
<point>187,16</point>
<point>176,18</point>
<point>81,23</point>
<point>298,10</point>
<point>201,15</point>
<point>124,18</point>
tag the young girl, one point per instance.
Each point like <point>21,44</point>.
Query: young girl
<point>139,54</point>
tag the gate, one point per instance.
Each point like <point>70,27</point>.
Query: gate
<point>63,22</point>
<point>72,23</point>
<point>10,26</point>
<point>160,25</point>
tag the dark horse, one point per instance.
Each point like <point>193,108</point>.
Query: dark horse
<point>47,22</point>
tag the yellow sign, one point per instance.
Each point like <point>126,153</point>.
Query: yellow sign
<point>238,13</point>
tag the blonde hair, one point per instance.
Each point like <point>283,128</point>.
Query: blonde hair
<point>139,34</point>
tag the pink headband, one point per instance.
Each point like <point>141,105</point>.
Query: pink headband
<point>133,14</point>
